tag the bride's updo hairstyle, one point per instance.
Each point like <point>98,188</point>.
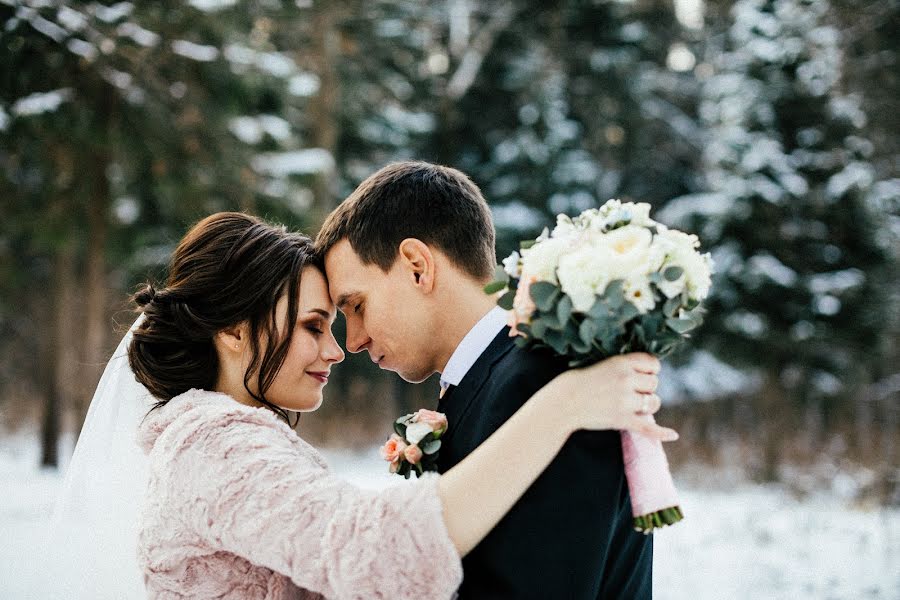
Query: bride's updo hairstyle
<point>230,268</point>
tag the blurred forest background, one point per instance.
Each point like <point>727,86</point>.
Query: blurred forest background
<point>768,127</point>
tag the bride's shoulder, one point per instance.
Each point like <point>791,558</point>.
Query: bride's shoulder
<point>209,418</point>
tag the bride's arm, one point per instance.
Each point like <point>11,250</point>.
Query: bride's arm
<point>479,491</point>
<point>245,484</point>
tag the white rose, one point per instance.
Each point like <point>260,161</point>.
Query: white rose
<point>640,213</point>
<point>416,431</point>
<point>512,266</point>
<point>541,260</point>
<point>698,270</point>
<point>565,227</point>
<point>680,250</point>
<point>615,211</point>
<point>582,275</point>
<point>629,249</point>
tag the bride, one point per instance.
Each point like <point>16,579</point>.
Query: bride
<point>220,498</point>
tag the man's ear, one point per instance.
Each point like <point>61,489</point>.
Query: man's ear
<point>417,260</point>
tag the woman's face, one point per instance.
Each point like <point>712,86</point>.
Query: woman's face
<point>313,349</point>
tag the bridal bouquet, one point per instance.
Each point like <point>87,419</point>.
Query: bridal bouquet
<point>414,445</point>
<point>607,282</point>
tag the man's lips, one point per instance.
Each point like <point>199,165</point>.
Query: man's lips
<point>321,376</point>
<point>378,360</point>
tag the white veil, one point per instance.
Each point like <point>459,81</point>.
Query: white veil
<point>92,551</point>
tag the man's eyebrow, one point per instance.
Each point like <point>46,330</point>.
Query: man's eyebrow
<point>344,299</point>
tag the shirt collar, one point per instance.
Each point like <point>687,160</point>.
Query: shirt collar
<point>473,346</point>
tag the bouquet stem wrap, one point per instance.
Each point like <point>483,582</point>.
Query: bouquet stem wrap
<point>654,501</point>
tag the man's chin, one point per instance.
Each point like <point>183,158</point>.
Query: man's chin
<point>411,377</point>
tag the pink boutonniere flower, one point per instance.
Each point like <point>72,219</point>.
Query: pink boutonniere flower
<point>414,445</point>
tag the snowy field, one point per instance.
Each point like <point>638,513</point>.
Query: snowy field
<point>744,543</point>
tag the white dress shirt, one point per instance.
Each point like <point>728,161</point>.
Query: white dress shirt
<point>473,346</point>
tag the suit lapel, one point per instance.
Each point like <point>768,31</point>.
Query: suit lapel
<point>459,399</point>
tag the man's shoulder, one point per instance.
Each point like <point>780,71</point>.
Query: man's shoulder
<point>528,363</point>
<point>516,376</point>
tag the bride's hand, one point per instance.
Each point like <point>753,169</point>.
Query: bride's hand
<point>617,393</point>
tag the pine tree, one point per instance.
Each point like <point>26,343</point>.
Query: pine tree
<point>573,104</point>
<point>120,125</point>
<point>802,253</point>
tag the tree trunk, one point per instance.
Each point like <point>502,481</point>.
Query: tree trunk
<point>323,108</point>
<point>57,351</point>
<point>96,292</point>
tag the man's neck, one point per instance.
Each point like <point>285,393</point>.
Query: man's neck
<point>466,308</point>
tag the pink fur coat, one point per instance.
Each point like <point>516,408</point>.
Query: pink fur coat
<point>239,506</point>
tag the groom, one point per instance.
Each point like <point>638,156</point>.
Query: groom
<point>407,256</point>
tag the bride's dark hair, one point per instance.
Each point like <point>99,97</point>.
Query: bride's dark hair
<point>230,268</point>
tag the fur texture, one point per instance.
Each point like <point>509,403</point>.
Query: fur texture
<point>239,506</point>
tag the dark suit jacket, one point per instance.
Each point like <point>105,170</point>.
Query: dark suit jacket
<point>570,536</point>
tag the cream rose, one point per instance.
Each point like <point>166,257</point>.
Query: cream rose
<point>579,276</point>
<point>629,249</point>
<point>540,260</point>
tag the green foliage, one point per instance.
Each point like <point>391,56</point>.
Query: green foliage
<point>795,217</point>
<point>612,326</point>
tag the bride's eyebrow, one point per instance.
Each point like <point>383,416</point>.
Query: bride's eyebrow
<point>318,311</point>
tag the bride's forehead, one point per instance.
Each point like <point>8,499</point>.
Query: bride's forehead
<point>314,289</point>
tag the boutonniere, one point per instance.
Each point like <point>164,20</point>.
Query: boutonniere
<point>414,445</point>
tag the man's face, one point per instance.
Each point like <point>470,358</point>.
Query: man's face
<point>387,315</point>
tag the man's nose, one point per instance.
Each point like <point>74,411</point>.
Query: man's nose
<point>357,338</point>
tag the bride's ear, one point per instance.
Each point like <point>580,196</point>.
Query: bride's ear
<point>418,263</point>
<point>232,340</point>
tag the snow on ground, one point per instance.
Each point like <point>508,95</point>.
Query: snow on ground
<point>743,542</point>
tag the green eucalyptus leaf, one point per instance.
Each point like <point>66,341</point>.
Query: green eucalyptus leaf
<point>673,273</point>
<point>639,333</point>
<point>494,287</point>
<point>599,310</point>
<point>564,309</point>
<point>556,340</point>
<point>506,300</point>
<point>680,325</point>
<point>670,308</point>
<point>627,312</point>
<point>587,330</point>
<point>614,294</point>
<point>431,447</point>
<point>544,294</point>
<point>527,244</point>
<point>539,328</point>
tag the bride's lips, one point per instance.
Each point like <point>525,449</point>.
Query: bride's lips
<point>320,376</point>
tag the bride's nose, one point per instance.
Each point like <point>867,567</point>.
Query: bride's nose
<point>332,352</point>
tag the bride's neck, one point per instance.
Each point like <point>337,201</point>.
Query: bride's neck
<point>231,383</point>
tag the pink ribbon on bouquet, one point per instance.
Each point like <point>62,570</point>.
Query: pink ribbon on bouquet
<point>654,501</point>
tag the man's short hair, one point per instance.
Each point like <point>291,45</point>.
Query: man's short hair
<point>438,205</point>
